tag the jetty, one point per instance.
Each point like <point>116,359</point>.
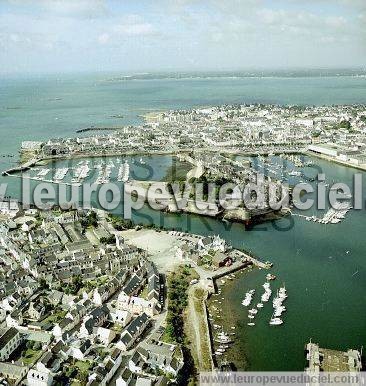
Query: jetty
<point>22,167</point>
<point>86,129</point>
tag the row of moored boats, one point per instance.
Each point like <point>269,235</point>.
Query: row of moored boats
<point>278,307</point>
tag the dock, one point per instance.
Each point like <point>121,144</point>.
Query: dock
<point>23,167</point>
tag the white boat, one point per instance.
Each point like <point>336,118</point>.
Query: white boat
<point>267,294</point>
<point>260,305</point>
<point>124,172</point>
<point>294,173</point>
<point>275,322</point>
<point>253,311</point>
<point>60,174</point>
<point>42,173</point>
<point>282,293</point>
<point>248,298</point>
<point>279,310</point>
<point>269,276</point>
<point>223,338</point>
<point>251,324</point>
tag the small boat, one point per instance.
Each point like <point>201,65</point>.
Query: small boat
<point>269,276</point>
<point>275,322</point>
<point>260,305</point>
<point>251,324</point>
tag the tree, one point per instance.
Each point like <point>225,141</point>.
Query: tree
<point>108,240</point>
<point>345,125</point>
<point>29,345</point>
<point>37,346</point>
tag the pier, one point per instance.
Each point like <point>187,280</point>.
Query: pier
<point>25,166</point>
<point>99,129</point>
<point>332,216</point>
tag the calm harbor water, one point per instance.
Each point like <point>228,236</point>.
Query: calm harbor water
<point>326,285</point>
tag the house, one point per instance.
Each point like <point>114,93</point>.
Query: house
<point>79,349</point>
<point>60,351</point>
<point>27,287</point>
<point>36,311</point>
<point>103,293</point>
<point>105,371</point>
<point>15,319</point>
<point>10,339</point>
<point>118,316</point>
<point>163,356</point>
<point>40,376</point>
<point>50,361</point>
<point>140,381</point>
<point>55,297</point>
<point>153,282</point>
<point>133,285</point>
<point>95,319</point>
<point>221,260</point>
<point>125,379</point>
<point>12,372</point>
<point>104,335</point>
<point>137,305</point>
<point>137,362</point>
<point>2,315</point>
<point>132,332</point>
<point>11,302</point>
<point>215,243</point>
<point>62,327</point>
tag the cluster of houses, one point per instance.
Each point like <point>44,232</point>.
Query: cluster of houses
<point>228,127</point>
<point>197,249</point>
<point>72,307</point>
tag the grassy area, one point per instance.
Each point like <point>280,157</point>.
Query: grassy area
<point>96,283</point>
<point>199,297</point>
<point>144,292</point>
<point>29,356</point>
<point>83,365</point>
<point>75,373</point>
<point>117,328</point>
<point>119,223</point>
<point>54,318</point>
<point>178,284</point>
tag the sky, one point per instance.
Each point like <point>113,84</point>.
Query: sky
<point>133,36</point>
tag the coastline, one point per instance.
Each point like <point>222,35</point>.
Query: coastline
<point>237,352</point>
<point>160,245</point>
<point>337,161</point>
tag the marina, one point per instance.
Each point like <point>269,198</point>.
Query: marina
<point>93,171</point>
<point>334,215</point>
<point>80,173</point>
<point>224,334</point>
